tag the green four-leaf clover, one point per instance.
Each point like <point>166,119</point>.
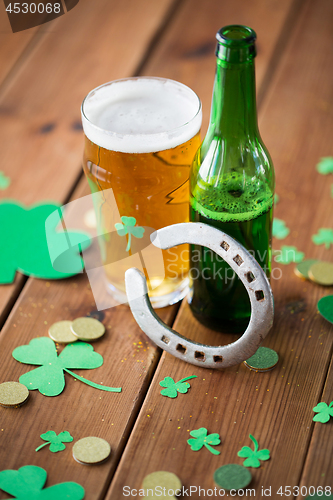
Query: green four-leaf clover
<point>253,457</point>
<point>49,378</point>
<point>202,439</point>
<point>128,228</point>
<point>27,484</point>
<point>172,388</point>
<point>55,441</point>
<point>324,412</point>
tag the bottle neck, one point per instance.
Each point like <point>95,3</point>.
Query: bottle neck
<point>234,110</point>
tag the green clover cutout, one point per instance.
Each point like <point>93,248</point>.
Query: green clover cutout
<point>27,484</point>
<point>253,457</point>
<point>128,228</point>
<point>279,229</point>
<point>324,412</point>
<point>323,237</point>
<point>325,166</point>
<point>4,181</point>
<point>172,387</point>
<point>27,243</point>
<point>49,378</point>
<point>203,440</point>
<point>287,254</point>
<point>55,442</point>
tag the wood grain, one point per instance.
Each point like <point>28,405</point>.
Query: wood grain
<point>40,109</point>
<point>11,45</point>
<point>318,467</point>
<point>187,51</point>
<point>275,407</point>
<point>129,362</point>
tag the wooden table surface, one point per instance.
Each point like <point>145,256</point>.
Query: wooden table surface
<point>44,75</point>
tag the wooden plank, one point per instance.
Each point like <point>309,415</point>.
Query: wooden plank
<point>11,45</point>
<point>275,407</point>
<point>129,362</point>
<point>42,303</point>
<point>187,53</point>
<point>40,109</point>
<point>318,468</point>
<point>43,103</point>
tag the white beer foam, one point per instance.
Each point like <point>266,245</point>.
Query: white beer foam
<point>141,115</point>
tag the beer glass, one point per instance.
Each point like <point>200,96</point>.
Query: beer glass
<point>141,135</point>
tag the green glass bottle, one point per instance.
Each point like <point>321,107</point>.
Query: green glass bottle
<point>231,185</point>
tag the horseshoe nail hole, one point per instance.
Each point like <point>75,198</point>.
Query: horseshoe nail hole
<point>250,277</point>
<point>225,246</point>
<point>218,359</point>
<point>165,339</point>
<point>181,348</point>
<point>200,356</point>
<point>238,259</point>
<point>260,295</point>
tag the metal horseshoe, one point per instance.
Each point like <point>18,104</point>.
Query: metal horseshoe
<point>244,265</point>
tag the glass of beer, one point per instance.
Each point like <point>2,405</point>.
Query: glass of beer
<point>141,135</point>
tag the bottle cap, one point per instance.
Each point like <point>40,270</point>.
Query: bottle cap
<point>236,44</point>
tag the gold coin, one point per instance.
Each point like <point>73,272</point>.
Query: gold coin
<point>163,479</point>
<point>13,394</point>
<point>61,332</point>
<point>263,360</point>
<point>322,273</point>
<point>91,450</point>
<point>302,268</point>
<point>87,328</point>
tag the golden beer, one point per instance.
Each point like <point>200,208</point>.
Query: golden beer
<point>141,135</point>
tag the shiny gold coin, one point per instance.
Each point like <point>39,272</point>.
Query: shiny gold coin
<point>162,479</point>
<point>13,394</point>
<point>87,328</point>
<point>91,450</point>
<point>302,268</point>
<point>322,273</point>
<point>61,332</point>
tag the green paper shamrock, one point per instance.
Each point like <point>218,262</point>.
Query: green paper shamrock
<point>287,254</point>
<point>324,412</point>
<point>55,442</point>
<point>323,237</point>
<point>27,484</point>
<point>325,166</point>
<point>280,230</point>
<point>203,440</point>
<point>4,181</point>
<point>253,457</point>
<point>128,228</point>
<point>49,378</point>
<point>172,387</point>
<point>29,237</point>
